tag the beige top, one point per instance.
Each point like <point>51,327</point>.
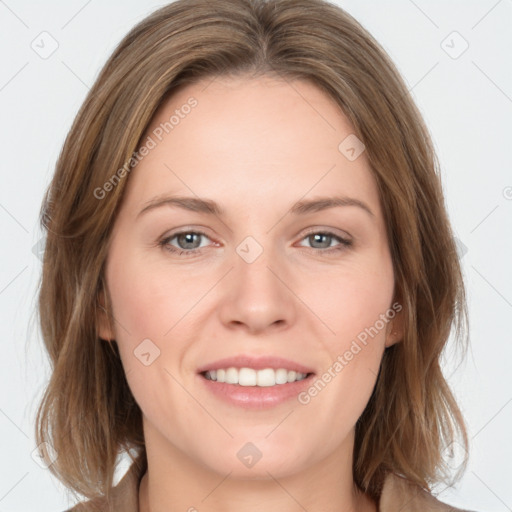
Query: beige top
<point>397,496</point>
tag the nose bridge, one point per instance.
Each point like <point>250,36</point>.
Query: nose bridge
<point>253,275</point>
<point>255,296</point>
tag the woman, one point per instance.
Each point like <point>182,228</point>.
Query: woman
<point>249,274</point>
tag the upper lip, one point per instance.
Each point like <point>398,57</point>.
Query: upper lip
<point>255,362</point>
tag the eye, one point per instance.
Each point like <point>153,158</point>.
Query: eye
<point>322,240</point>
<point>188,242</point>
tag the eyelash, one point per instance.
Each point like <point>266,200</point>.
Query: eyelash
<point>343,243</point>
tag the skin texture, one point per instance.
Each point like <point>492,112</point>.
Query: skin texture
<point>255,146</point>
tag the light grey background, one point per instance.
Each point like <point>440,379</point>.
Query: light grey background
<point>467,104</point>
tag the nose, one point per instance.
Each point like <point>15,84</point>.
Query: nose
<point>257,298</point>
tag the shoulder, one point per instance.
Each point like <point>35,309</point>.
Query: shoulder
<point>399,494</point>
<point>124,496</point>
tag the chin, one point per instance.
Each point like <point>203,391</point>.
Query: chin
<point>255,460</point>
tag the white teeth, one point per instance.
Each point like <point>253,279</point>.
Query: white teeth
<point>231,376</point>
<point>291,376</point>
<point>266,377</point>
<point>249,377</point>
<point>281,376</point>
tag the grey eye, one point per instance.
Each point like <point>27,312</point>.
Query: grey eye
<point>189,240</point>
<point>320,240</point>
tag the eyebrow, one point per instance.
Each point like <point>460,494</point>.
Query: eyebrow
<point>210,207</point>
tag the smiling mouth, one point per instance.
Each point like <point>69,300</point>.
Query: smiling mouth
<point>250,377</point>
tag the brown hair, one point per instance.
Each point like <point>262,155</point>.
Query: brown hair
<point>88,413</point>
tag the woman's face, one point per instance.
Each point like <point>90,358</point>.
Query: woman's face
<point>239,249</point>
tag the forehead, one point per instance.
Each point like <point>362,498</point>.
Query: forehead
<point>267,138</point>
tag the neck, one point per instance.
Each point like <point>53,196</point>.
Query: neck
<point>175,482</point>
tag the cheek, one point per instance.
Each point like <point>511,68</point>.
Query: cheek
<point>357,306</point>
<point>150,298</point>
<point>352,302</point>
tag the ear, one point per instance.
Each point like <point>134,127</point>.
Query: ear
<point>395,327</point>
<point>104,329</point>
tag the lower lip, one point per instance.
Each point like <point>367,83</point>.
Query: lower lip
<point>255,397</point>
